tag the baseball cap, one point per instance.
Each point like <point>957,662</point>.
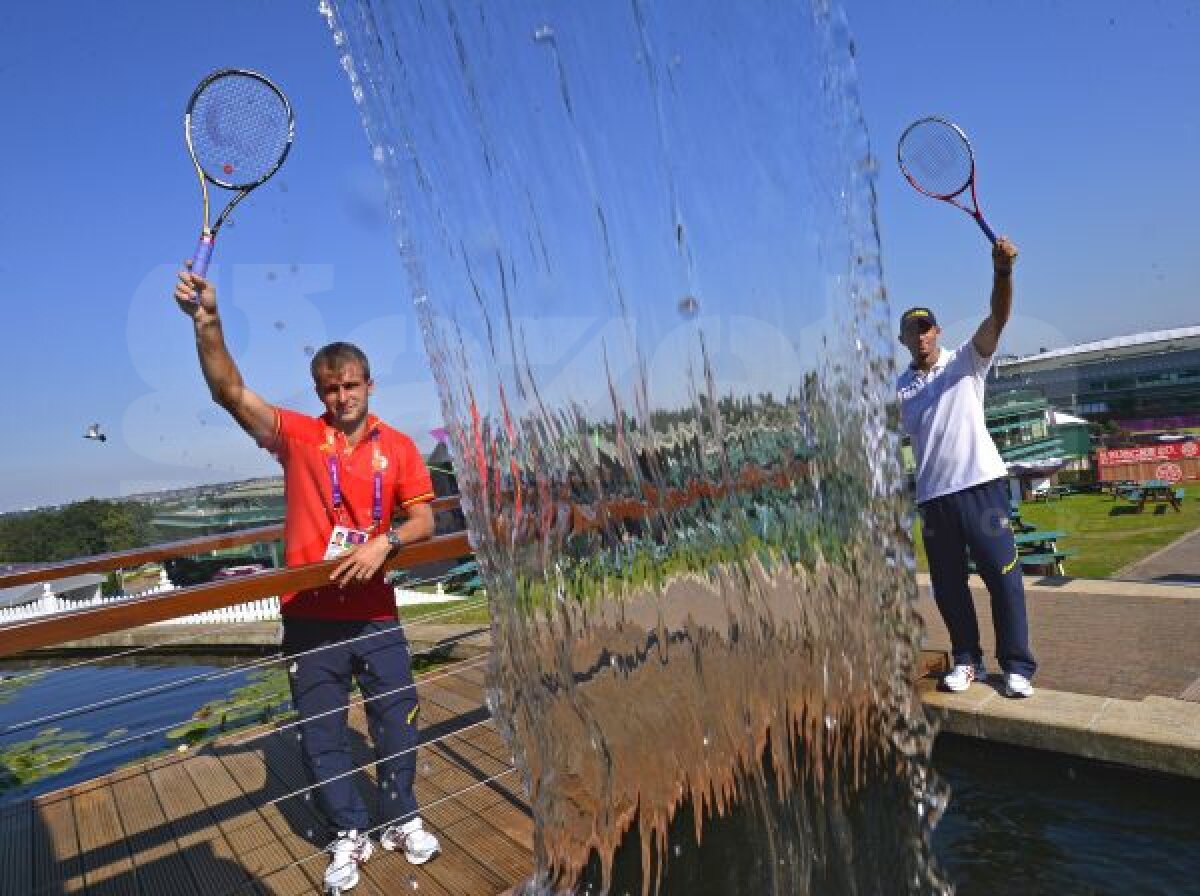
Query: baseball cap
<point>919,314</point>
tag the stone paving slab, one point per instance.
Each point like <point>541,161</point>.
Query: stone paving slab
<point>1109,639</point>
<point>1157,733</point>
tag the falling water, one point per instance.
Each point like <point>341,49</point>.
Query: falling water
<point>640,238</point>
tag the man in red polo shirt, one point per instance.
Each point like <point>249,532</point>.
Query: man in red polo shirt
<point>345,474</point>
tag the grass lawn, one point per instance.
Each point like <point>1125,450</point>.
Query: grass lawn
<point>1105,534</point>
<point>473,611</point>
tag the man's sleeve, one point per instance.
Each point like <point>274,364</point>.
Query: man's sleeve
<point>291,427</point>
<point>968,362</point>
<point>413,485</point>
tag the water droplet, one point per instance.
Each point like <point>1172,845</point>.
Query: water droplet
<point>412,882</point>
<point>294,267</point>
<point>830,723</point>
<point>279,325</point>
<point>270,275</point>
<point>707,740</point>
<point>677,849</point>
<point>377,153</point>
<point>688,306</point>
<point>544,33</point>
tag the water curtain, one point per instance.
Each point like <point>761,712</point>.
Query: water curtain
<point>640,239</point>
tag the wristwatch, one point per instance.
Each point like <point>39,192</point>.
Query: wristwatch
<point>395,542</point>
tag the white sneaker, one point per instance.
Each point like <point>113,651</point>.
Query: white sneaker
<point>959,678</point>
<point>1017,685</point>
<point>349,850</point>
<point>418,844</point>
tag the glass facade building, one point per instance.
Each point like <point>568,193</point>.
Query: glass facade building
<point>1147,376</point>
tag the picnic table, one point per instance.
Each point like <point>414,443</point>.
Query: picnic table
<point>1116,487</point>
<point>1154,491</point>
<point>1038,551</point>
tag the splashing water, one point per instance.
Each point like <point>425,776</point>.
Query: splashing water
<point>688,512</point>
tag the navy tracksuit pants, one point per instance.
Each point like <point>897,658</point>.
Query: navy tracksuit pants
<point>976,520</point>
<point>376,653</point>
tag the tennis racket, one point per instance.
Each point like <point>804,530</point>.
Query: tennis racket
<point>936,158</point>
<point>239,128</point>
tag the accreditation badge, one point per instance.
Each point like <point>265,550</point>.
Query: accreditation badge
<point>342,539</point>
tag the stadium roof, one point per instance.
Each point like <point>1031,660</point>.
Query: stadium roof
<point>1104,349</point>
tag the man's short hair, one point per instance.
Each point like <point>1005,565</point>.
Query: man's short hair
<point>338,354</point>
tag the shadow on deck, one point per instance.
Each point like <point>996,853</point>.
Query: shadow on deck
<point>226,819</point>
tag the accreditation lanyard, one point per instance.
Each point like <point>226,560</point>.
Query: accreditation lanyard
<point>378,463</point>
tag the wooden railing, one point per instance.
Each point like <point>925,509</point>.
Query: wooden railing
<point>88,622</point>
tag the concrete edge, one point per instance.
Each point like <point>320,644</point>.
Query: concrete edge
<point>1091,587</point>
<point>1157,734</point>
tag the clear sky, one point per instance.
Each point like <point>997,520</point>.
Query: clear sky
<point>1082,114</point>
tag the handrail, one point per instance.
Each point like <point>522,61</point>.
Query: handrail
<point>164,551</point>
<point>87,622</point>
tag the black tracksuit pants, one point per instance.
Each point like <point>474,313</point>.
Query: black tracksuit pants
<point>976,520</point>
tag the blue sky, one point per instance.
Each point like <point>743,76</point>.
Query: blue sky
<point>1082,115</point>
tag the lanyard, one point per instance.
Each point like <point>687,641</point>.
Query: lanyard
<point>335,477</point>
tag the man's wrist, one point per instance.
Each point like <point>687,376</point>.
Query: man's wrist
<point>394,541</point>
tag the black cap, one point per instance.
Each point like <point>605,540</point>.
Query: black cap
<point>918,313</point>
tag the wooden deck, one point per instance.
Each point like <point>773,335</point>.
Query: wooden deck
<point>204,824</point>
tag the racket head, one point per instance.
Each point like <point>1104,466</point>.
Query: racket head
<point>239,128</point>
<point>935,156</point>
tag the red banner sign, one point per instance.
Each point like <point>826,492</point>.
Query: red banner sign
<point>1148,454</point>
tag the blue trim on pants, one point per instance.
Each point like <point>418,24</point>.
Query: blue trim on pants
<point>976,520</point>
<point>320,684</point>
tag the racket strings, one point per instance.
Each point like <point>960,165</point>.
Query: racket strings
<point>240,130</point>
<point>937,158</point>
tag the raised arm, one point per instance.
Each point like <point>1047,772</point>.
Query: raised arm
<point>987,337</point>
<point>197,298</point>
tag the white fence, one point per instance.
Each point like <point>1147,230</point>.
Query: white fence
<point>265,610</point>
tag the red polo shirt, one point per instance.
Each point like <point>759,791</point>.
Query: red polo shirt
<point>304,445</point>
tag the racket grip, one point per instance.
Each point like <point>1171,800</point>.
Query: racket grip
<point>204,250</point>
<point>983,225</point>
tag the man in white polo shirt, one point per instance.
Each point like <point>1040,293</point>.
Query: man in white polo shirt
<point>962,485</point>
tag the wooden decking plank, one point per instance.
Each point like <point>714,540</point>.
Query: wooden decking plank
<point>501,855</point>
<point>107,866</point>
<point>56,866</point>
<point>256,846</point>
<point>248,770</point>
<point>286,774</point>
<point>201,826</point>
<point>151,842</point>
<point>515,822</point>
<point>213,862</point>
<point>16,850</point>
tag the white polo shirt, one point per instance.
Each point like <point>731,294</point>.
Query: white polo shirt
<point>942,411</point>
